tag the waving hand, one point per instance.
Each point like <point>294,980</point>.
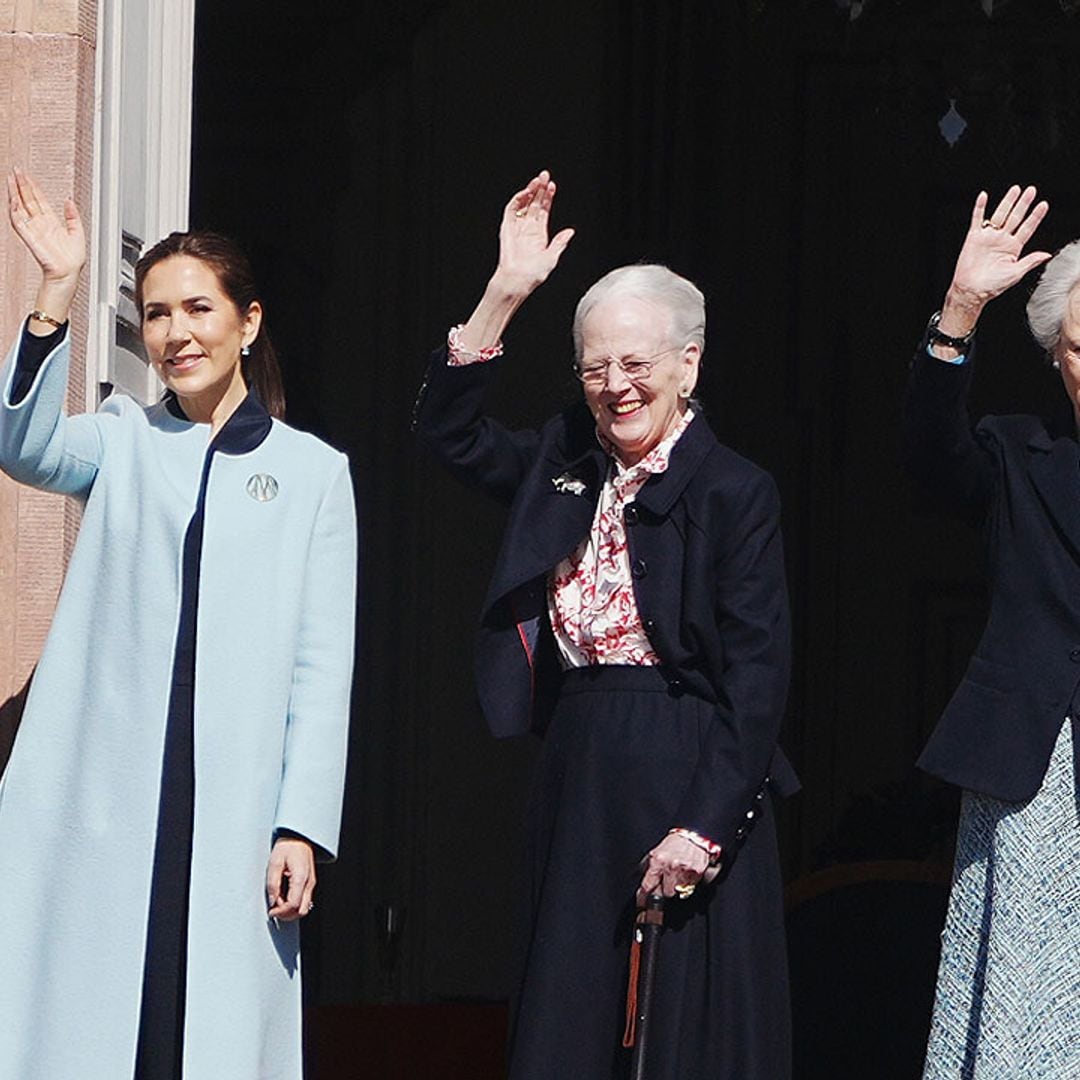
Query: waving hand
<point>526,258</point>
<point>526,255</point>
<point>992,258</point>
<point>57,243</point>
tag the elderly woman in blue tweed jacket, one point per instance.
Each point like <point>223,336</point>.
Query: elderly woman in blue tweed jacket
<point>179,767</point>
<point>1008,996</point>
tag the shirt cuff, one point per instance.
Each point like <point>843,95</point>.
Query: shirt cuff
<point>956,361</point>
<point>456,356</point>
<point>33,351</point>
<point>710,847</point>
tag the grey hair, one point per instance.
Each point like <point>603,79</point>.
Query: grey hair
<point>1050,300</point>
<point>655,283</point>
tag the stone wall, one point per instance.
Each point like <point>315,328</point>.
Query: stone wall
<point>47,53</point>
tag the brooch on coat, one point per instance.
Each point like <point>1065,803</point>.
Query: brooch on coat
<point>568,484</point>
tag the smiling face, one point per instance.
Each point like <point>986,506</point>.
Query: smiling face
<point>636,415</point>
<point>193,335</point>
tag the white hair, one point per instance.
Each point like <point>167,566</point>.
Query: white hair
<point>1050,300</point>
<point>657,284</point>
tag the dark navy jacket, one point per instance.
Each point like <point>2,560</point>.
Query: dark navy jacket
<point>1017,479</point>
<point>707,561</point>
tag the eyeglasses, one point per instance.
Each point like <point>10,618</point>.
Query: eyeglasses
<point>635,368</point>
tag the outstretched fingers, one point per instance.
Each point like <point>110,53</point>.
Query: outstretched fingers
<point>1001,212</point>
<point>33,198</point>
<point>978,211</point>
<point>1015,218</point>
<point>72,218</point>
<point>1026,228</point>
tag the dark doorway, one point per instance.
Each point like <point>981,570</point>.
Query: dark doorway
<point>812,166</point>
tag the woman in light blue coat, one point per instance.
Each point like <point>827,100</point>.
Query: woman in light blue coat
<point>179,768</point>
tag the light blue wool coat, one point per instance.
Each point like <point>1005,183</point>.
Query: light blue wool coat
<point>79,798</point>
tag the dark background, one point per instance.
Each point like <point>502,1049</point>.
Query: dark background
<point>788,158</point>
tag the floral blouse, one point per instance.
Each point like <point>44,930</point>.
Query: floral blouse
<point>591,593</point>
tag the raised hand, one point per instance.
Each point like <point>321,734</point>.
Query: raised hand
<point>991,259</point>
<point>58,244</point>
<point>526,255</point>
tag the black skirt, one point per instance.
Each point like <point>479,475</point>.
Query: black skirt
<point>617,758</point>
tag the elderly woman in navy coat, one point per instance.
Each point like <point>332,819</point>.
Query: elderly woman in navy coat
<point>180,763</point>
<point>637,618</point>
<point>1008,994</point>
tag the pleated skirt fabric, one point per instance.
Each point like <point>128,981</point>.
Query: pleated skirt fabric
<point>1008,992</point>
<point>617,757</point>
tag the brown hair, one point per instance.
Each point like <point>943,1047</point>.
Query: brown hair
<point>260,368</point>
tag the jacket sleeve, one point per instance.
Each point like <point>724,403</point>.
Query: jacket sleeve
<point>938,447</point>
<point>752,616</point>
<point>316,734</point>
<point>39,445</point>
<point>448,417</point>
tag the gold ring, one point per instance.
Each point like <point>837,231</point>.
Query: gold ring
<point>522,212</point>
<point>988,224</point>
<point>684,892</point>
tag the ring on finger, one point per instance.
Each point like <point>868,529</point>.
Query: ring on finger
<point>522,212</point>
<point>988,224</point>
<point>685,891</point>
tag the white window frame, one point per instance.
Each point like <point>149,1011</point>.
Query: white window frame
<point>142,174</point>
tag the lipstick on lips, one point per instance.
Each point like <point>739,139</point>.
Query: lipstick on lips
<point>182,363</point>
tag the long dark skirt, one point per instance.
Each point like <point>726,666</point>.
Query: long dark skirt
<point>617,758</point>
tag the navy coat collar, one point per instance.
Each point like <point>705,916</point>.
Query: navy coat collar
<point>660,491</point>
<point>570,480</point>
<point>246,429</point>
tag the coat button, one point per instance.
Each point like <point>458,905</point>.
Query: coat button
<point>740,834</point>
<point>1074,656</point>
<point>640,568</point>
<point>630,515</point>
<point>675,688</point>
<point>648,625</point>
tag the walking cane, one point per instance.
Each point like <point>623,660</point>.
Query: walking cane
<point>644,950</point>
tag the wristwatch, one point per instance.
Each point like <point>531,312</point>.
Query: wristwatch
<point>934,335</point>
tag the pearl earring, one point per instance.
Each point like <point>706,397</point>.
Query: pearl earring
<point>245,351</point>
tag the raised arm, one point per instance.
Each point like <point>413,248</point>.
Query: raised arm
<point>526,258</point>
<point>38,444</point>
<point>990,261</point>
<point>448,414</point>
<point>938,445</point>
<point>57,244</point>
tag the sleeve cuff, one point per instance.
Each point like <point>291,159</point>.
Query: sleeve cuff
<point>456,356</point>
<point>33,351</point>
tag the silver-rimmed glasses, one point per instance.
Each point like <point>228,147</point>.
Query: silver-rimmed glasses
<point>594,373</point>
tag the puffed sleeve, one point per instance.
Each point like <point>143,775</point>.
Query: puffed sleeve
<point>39,445</point>
<point>316,736</point>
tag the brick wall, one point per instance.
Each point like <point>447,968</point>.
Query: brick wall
<point>47,127</point>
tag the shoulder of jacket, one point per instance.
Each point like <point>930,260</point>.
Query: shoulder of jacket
<point>726,472</point>
<point>310,446</point>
